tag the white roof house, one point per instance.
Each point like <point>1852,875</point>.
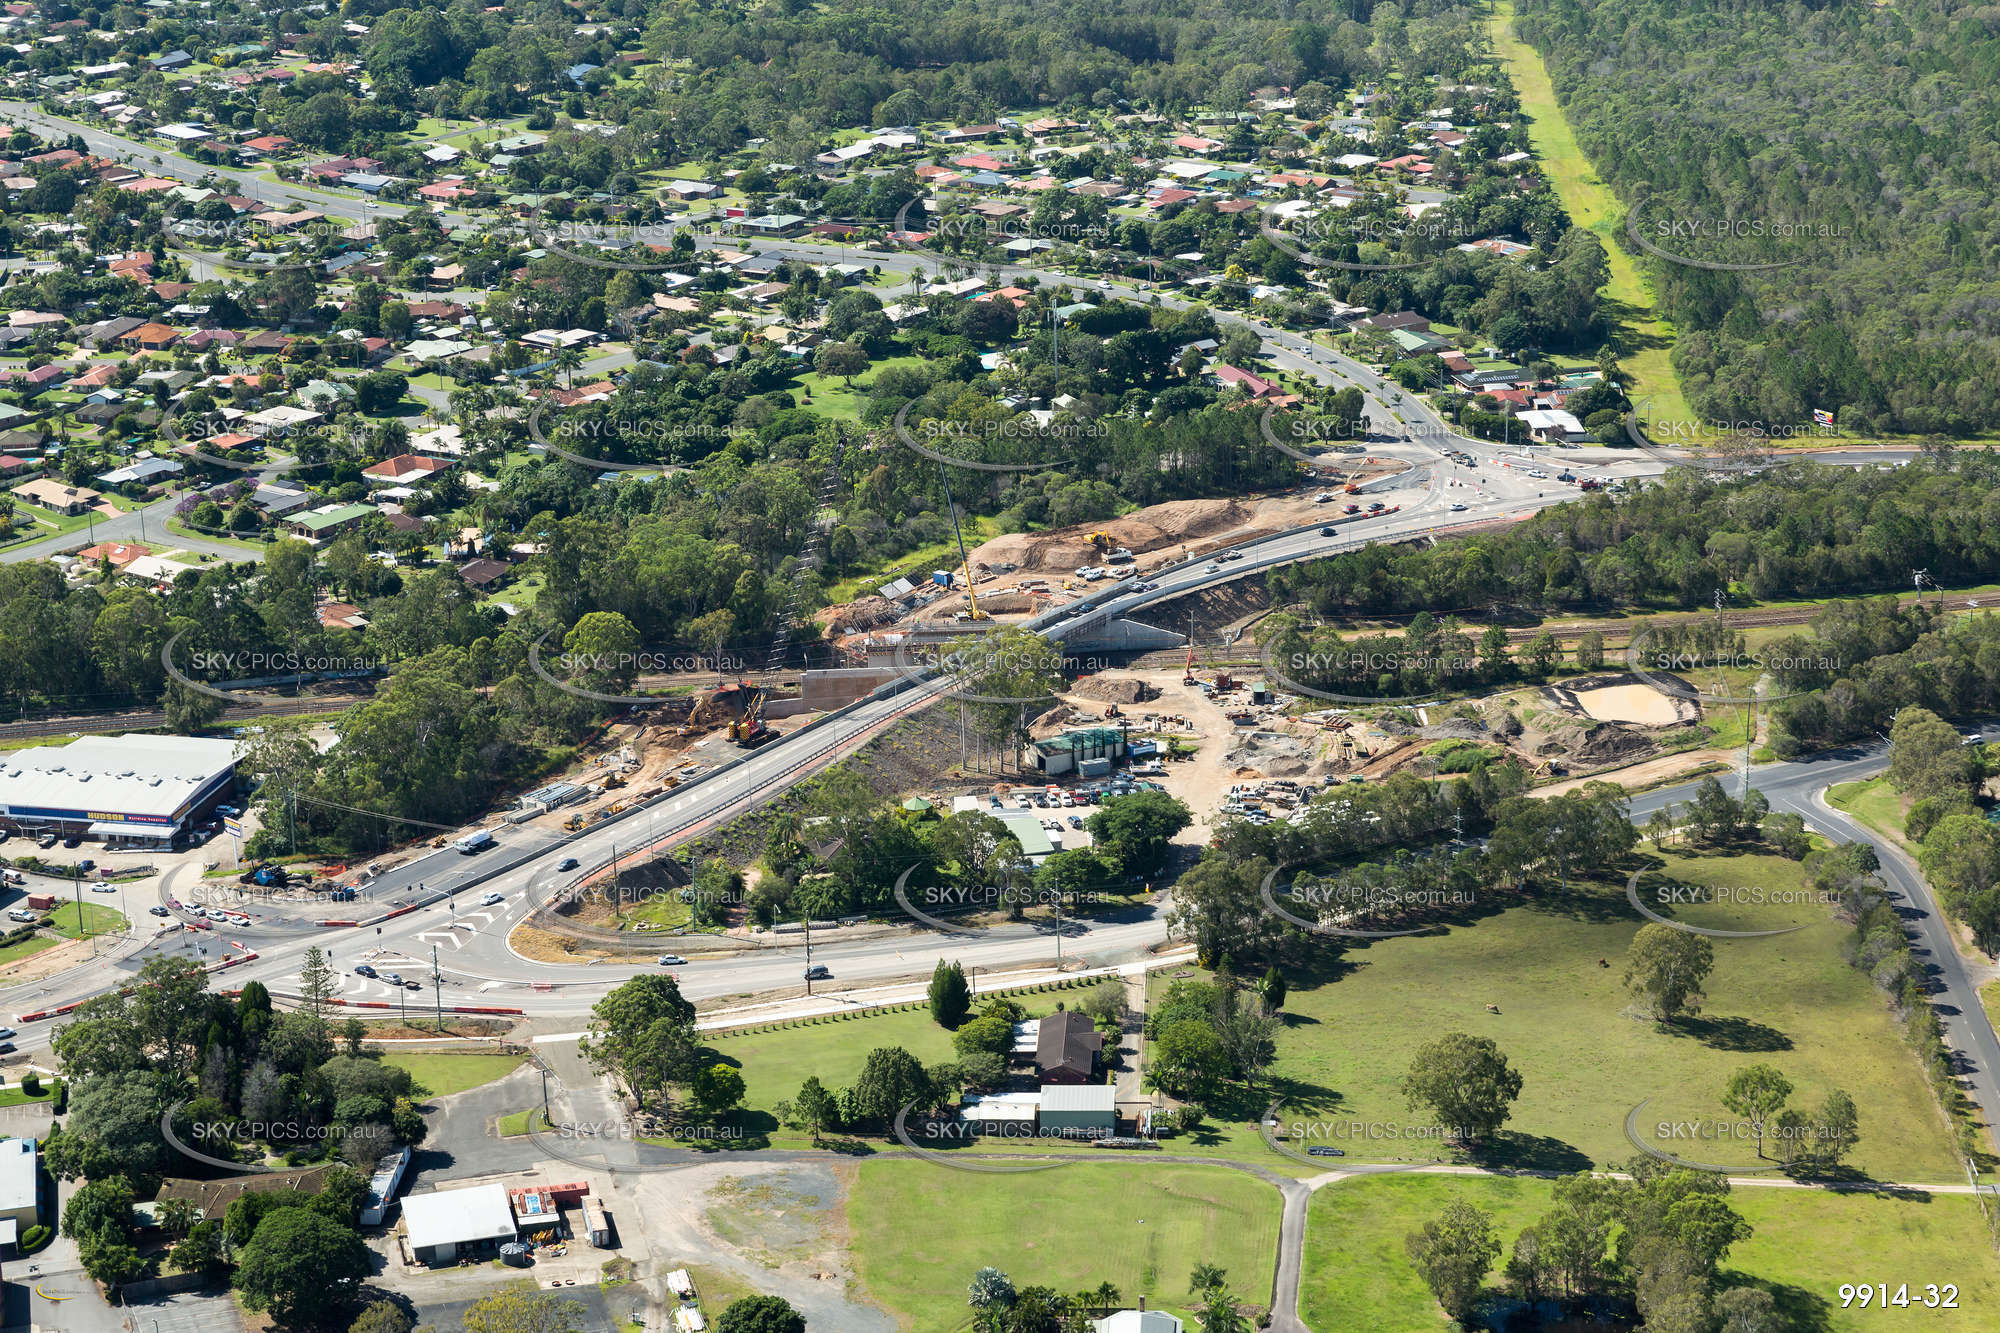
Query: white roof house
<point>1139,1321</point>
<point>440,1223</point>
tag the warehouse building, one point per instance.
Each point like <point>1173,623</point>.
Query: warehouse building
<point>131,790</point>
<point>448,1225</point>
<point>20,1190</point>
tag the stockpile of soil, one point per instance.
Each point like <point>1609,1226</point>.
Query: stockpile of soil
<point>1140,531</point>
<point>1114,691</point>
<point>852,617</point>
<point>1272,754</point>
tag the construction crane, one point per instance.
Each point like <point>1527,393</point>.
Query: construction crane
<point>965,562</point>
<point>751,730</point>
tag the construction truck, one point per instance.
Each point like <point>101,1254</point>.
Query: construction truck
<point>574,822</point>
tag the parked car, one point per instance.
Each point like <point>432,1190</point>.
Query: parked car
<point>1076,821</point>
<point>227,811</point>
<point>72,842</point>
<point>86,865</point>
<point>364,971</point>
<point>672,960</point>
<point>46,840</point>
<point>1319,1150</point>
<point>23,914</point>
<point>413,985</point>
<point>104,888</point>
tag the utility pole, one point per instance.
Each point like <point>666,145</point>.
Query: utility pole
<point>76,882</point>
<point>437,981</point>
<point>808,916</point>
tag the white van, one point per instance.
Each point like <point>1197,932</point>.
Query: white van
<point>477,841</point>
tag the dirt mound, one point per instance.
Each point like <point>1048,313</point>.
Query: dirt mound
<point>852,617</point>
<point>1455,729</point>
<point>1114,691</point>
<point>1272,754</point>
<point>1591,743</point>
<point>1142,530</point>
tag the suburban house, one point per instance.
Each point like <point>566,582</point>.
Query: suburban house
<point>1067,1047</point>
<point>52,494</point>
<point>404,468</point>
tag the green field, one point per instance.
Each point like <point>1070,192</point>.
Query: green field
<point>522,1122</point>
<point>1643,339</point>
<point>1806,1243</point>
<point>1874,802</point>
<point>76,920</point>
<point>774,1064</point>
<point>1586,1055</point>
<point>922,1231</point>
<point>28,948</point>
<point>442,1073</point>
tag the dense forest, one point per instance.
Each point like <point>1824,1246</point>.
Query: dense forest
<point>1797,531</point>
<point>1870,126</point>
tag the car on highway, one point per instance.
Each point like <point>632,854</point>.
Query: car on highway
<point>819,972</point>
<point>8,1032</point>
<point>567,863</point>
<point>393,978</point>
<point>6,1048</point>
<point>364,971</point>
<point>157,910</point>
<point>1212,567</point>
<point>1230,555</point>
<point>1458,508</point>
<point>672,960</point>
<point>1351,509</point>
<point>1328,530</point>
<point>492,898</point>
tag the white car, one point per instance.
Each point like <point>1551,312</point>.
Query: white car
<point>1457,509</point>
<point>1211,568</point>
<point>492,898</point>
<point>672,960</point>
<point>23,914</point>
